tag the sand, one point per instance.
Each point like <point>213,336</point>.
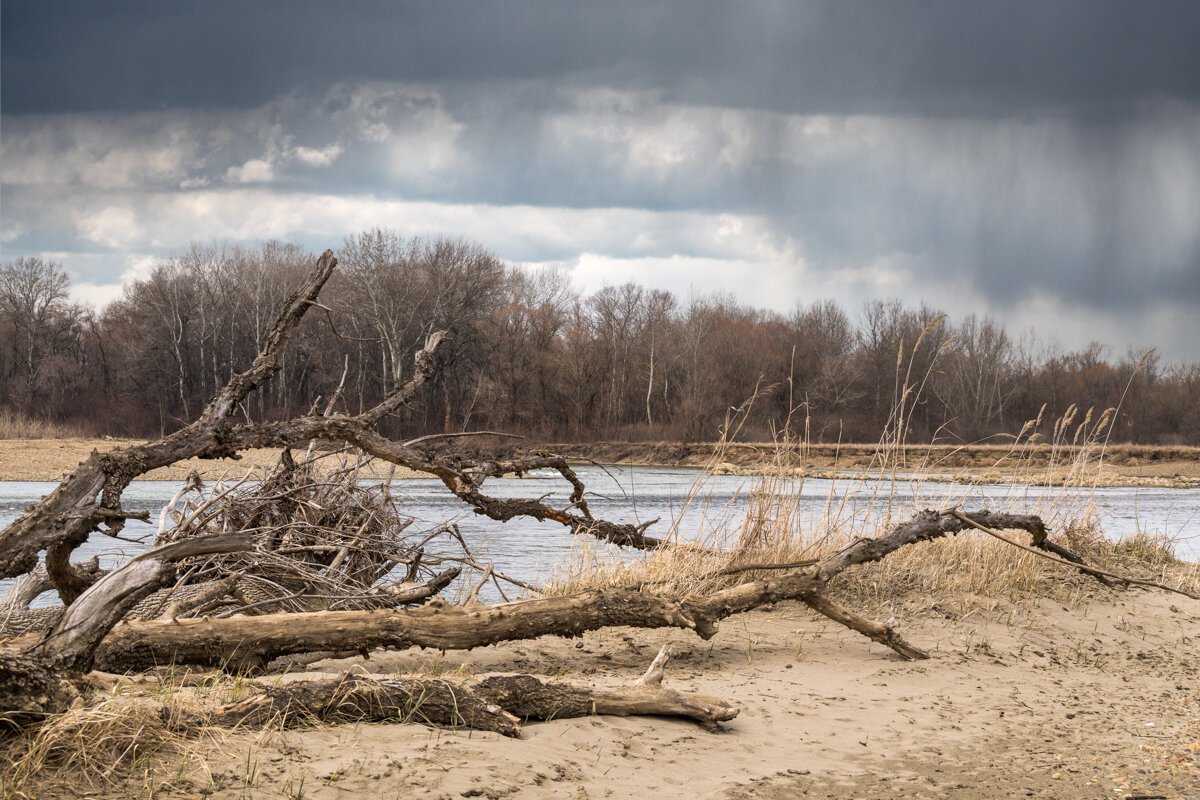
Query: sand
<point>1099,700</point>
<point>1121,464</point>
<point>52,459</point>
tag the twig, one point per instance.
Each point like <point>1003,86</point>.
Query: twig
<point>432,436</point>
<point>473,597</point>
<point>495,573</point>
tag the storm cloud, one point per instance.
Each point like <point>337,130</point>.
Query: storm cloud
<point>1037,161</point>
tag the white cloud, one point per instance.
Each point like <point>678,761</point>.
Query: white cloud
<point>188,149</point>
<point>96,296</point>
<point>112,226</point>
<point>256,170</point>
<point>777,285</point>
<point>11,232</point>
<point>99,150</point>
<point>314,157</point>
<point>886,273</point>
<point>99,293</point>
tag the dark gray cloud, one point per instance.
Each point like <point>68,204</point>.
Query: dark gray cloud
<point>1037,160</point>
<point>824,56</point>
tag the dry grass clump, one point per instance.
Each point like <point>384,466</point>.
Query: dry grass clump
<point>122,738</point>
<point>14,425</point>
<point>144,735</point>
<point>966,564</point>
<point>972,564</point>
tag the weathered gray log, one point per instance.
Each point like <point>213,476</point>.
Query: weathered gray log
<point>71,643</point>
<point>356,698</point>
<point>32,584</point>
<point>43,674</point>
<point>527,697</point>
<point>250,642</point>
<point>494,703</point>
<point>179,602</point>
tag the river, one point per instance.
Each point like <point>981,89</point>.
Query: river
<point>691,506</point>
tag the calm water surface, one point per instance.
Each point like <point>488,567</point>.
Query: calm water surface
<point>689,508</point>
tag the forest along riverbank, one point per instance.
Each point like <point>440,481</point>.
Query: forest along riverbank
<point>1122,465</point>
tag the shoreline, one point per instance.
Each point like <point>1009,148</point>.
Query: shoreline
<point>51,460</point>
<point>1077,690</point>
<point>1121,465</point>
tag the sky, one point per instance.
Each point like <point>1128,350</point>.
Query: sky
<point>1034,160</point>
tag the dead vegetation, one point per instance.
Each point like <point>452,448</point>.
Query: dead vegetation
<point>14,425</point>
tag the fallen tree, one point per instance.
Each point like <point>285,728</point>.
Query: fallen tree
<point>496,702</point>
<point>250,642</point>
<point>43,673</point>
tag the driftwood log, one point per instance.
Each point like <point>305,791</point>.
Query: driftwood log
<point>249,642</point>
<point>42,674</point>
<point>495,703</point>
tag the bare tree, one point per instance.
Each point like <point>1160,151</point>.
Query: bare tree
<point>32,293</point>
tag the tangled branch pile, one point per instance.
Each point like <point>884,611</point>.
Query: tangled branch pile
<point>322,540</point>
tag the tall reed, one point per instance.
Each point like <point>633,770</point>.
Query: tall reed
<point>14,425</point>
<point>1054,478</point>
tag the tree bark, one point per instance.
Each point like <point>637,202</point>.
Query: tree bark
<point>494,703</point>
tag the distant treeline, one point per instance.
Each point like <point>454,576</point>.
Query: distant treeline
<point>529,354</point>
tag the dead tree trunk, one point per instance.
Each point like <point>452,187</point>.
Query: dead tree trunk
<point>250,642</point>
<point>494,703</point>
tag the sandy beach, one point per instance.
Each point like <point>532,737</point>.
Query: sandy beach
<point>52,459</point>
<point>1096,700</point>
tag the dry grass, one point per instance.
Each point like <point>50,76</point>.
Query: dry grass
<point>14,425</point>
<point>969,564</point>
<point>781,527</point>
<point>128,735</point>
<point>141,736</point>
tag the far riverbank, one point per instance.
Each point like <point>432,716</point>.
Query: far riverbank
<point>1121,465</point>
